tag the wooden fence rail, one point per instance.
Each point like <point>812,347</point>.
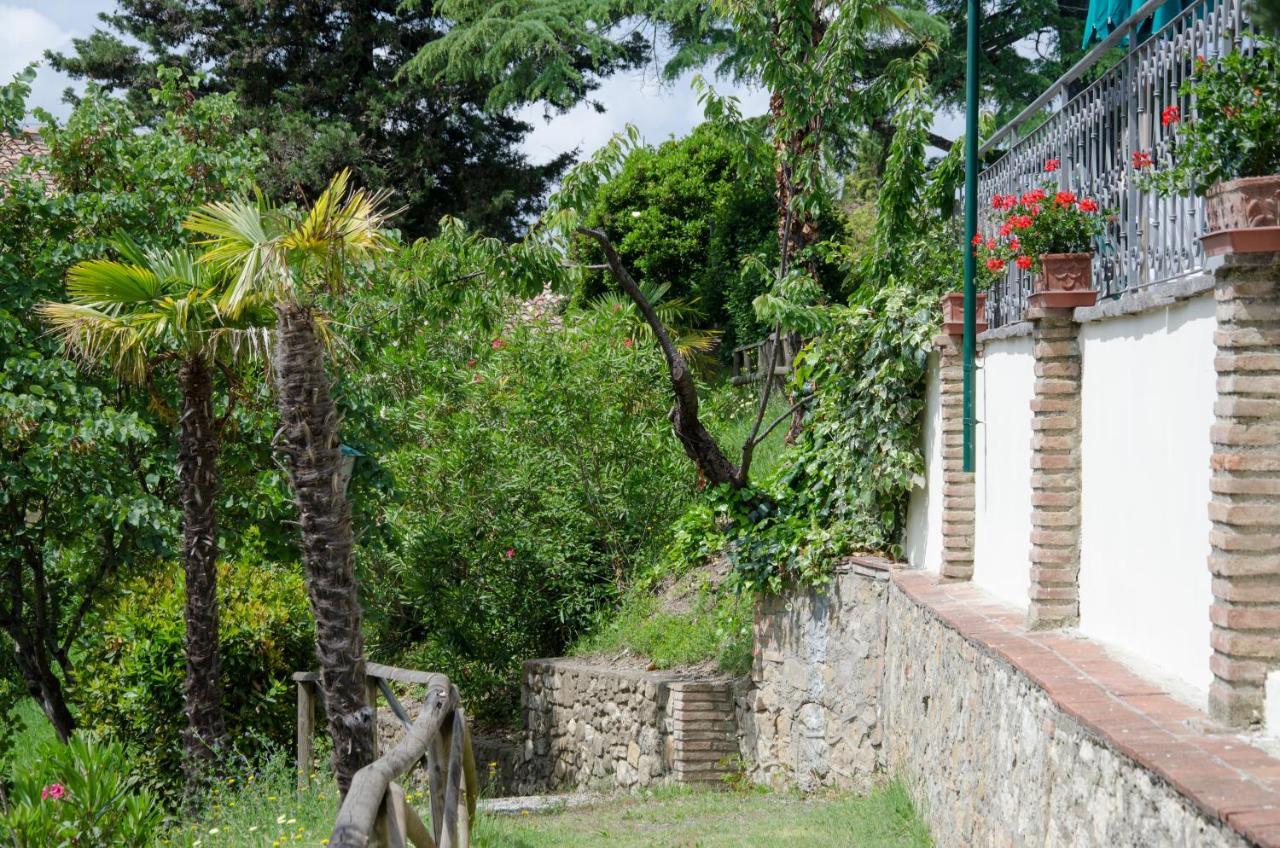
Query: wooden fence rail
<point>375,813</point>
<point>750,362</point>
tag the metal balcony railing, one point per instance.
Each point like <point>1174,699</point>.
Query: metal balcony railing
<point>1094,127</point>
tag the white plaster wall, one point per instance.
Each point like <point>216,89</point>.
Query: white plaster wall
<point>923,543</point>
<point>1147,405</point>
<point>1004,388</point>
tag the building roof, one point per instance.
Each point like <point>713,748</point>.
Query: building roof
<point>14,147</point>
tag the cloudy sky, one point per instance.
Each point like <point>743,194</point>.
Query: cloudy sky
<point>27,29</point>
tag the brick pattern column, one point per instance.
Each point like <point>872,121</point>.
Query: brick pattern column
<point>1245,504</point>
<point>704,731</point>
<point>1055,471</point>
<point>957,485</point>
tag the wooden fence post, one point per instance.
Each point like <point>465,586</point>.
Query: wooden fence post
<point>306,728</point>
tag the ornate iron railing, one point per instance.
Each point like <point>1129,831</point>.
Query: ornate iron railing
<point>1092,120</point>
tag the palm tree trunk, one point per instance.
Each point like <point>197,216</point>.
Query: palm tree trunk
<point>197,474</point>
<point>309,440</point>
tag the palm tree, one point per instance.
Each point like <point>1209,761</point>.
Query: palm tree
<point>135,316</point>
<point>677,314</point>
<point>291,259</point>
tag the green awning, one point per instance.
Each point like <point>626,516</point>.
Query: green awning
<point>1106,15</point>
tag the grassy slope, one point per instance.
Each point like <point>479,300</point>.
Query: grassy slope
<point>710,622</point>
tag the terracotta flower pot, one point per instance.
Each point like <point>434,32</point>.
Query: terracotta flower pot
<point>953,313</point>
<point>1243,216</point>
<point>1065,280</point>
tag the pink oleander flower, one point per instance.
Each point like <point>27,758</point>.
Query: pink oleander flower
<point>511,553</point>
<point>628,343</point>
<point>56,791</point>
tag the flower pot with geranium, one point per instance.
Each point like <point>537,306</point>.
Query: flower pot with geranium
<point>1049,233</point>
<point>1228,151</point>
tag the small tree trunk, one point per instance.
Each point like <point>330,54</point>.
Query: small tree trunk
<point>42,683</point>
<point>197,474</point>
<point>309,440</point>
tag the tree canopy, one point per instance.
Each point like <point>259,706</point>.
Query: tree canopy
<point>320,82</point>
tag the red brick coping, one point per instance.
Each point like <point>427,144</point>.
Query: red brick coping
<point>1222,775</point>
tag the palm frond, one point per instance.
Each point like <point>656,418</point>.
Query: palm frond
<point>108,284</point>
<point>97,338</point>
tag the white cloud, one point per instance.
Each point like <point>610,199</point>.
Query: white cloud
<point>24,36</point>
<point>658,110</point>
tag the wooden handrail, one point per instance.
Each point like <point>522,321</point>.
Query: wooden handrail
<point>375,812</point>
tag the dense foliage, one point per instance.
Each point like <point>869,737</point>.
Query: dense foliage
<point>686,214</point>
<point>320,82</point>
<point>532,474</point>
<point>131,683</point>
<point>81,793</point>
<point>86,481</point>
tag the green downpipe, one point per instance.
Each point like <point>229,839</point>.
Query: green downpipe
<point>970,225</point>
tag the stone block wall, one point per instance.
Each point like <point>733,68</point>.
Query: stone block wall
<point>811,718</point>
<point>591,727</point>
<point>992,759</point>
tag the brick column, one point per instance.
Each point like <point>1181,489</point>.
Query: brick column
<point>1055,471</point>
<point>957,484</point>
<point>1245,503</point>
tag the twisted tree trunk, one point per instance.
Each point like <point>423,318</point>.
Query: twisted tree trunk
<point>41,681</point>
<point>197,474</point>
<point>309,440</point>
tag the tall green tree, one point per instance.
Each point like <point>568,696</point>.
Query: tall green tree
<point>293,260</point>
<point>319,81</point>
<point>85,484</point>
<point>153,310</point>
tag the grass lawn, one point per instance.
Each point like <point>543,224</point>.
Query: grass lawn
<point>679,817</point>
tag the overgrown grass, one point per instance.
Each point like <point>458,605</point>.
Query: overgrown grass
<point>681,817</point>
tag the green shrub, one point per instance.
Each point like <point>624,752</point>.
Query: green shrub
<point>131,686</point>
<point>685,214</point>
<point>532,479</point>
<point>81,793</point>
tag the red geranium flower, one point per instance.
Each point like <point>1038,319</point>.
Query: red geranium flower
<point>977,239</point>
<point>1014,244</point>
<point>1065,198</point>
<point>1032,197</point>
<point>1021,222</point>
<point>1051,165</point>
<point>995,264</point>
<point>1141,159</point>
<point>997,201</point>
<point>991,244</point>
<point>1088,205</point>
<point>1170,115</point>
<point>1023,262</point>
<point>1006,228</point>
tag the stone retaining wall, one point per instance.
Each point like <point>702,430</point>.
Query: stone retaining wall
<point>811,717</point>
<point>591,727</point>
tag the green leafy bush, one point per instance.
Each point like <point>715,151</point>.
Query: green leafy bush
<point>80,793</point>
<point>685,214</point>
<point>534,471</point>
<point>131,686</point>
<point>844,488</point>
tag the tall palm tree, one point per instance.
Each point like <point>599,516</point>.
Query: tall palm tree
<point>150,310</point>
<point>292,259</point>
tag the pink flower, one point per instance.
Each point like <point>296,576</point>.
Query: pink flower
<point>628,343</point>
<point>1051,165</point>
<point>1023,262</point>
<point>497,344</point>
<point>1170,115</point>
<point>56,791</point>
<point>511,552</point>
<point>471,363</point>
